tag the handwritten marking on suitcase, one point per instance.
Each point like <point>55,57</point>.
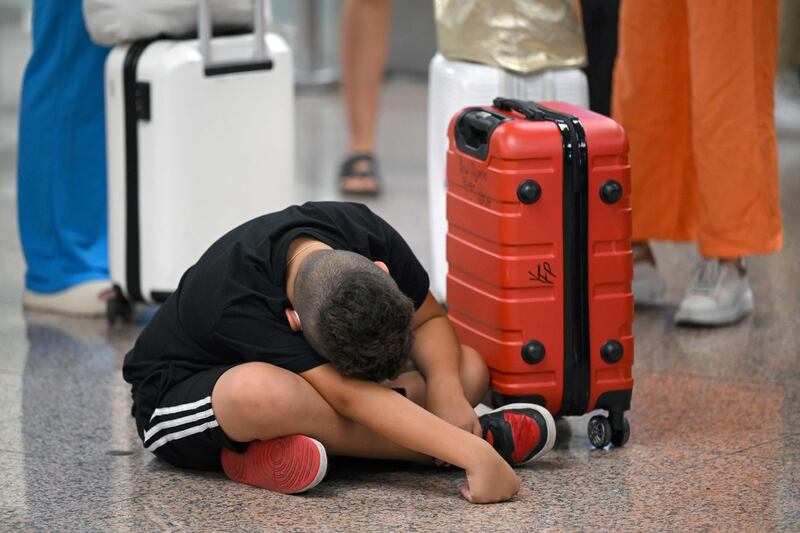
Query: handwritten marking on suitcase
<point>473,177</point>
<point>539,276</point>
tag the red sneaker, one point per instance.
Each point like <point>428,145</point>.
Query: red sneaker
<point>287,464</point>
<point>520,432</point>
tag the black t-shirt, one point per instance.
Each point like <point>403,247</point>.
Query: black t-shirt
<point>229,307</point>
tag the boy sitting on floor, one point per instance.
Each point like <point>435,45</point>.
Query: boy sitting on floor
<point>313,329</point>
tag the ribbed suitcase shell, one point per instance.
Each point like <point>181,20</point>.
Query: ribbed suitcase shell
<point>499,251</point>
<point>211,152</point>
<point>454,85</point>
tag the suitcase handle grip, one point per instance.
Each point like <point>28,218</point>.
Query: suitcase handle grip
<point>259,61</point>
<point>473,130</point>
<point>529,110</point>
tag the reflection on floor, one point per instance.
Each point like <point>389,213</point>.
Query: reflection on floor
<point>715,422</point>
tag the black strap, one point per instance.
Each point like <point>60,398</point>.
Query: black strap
<point>349,164</point>
<point>527,109</point>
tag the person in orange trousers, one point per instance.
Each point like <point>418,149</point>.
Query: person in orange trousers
<point>693,88</point>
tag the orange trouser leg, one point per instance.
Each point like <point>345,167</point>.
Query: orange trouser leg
<point>733,51</point>
<point>651,100</point>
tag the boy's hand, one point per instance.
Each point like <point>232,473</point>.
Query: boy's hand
<point>453,407</point>
<point>490,479</point>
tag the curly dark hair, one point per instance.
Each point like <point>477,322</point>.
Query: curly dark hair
<point>354,314</point>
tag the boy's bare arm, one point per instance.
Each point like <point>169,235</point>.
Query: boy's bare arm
<point>391,415</point>
<point>436,353</point>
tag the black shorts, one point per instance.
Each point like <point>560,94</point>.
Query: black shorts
<point>182,429</point>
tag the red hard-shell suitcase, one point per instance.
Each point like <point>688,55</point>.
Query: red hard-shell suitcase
<point>539,254</point>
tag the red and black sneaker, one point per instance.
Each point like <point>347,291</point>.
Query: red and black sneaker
<point>287,464</point>
<point>520,432</point>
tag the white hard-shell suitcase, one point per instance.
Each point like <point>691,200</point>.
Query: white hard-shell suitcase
<point>195,147</point>
<point>454,85</point>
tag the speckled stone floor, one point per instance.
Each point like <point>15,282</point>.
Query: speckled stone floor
<point>715,421</point>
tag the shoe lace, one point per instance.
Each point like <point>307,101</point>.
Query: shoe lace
<point>706,274</point>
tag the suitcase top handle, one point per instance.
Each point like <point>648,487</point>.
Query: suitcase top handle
<point>259,61</point>
<point>529,110</point>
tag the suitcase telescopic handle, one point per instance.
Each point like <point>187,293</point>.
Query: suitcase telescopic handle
<point>529,110</point>
<point>259,61</point>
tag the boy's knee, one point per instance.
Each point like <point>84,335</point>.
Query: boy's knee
<point>259,389</point>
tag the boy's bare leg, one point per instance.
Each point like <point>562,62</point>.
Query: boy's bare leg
<point>259,401</point>
<point>474,379</point>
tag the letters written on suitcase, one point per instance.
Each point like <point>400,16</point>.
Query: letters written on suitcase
<point>543,274</point>
<point>473,178</point>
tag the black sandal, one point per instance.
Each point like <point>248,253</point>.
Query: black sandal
<point>348,172</point>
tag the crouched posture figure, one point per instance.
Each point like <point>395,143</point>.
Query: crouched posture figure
<point>312,331</point>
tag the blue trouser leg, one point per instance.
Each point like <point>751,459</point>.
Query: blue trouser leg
<point>62,159</point>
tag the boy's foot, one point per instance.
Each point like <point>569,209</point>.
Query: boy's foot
<point>520,432</point>
<point>287,464</point>
<point>648,285</point>
<point>718,295</point>
<point>87,299</point>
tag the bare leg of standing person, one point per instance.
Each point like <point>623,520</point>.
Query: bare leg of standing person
<point>364,43</point>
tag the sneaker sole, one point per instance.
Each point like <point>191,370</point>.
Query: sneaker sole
<point>83,300</point>
<point>717,318</point>
<point>549,420</point>
<point>289,465</point>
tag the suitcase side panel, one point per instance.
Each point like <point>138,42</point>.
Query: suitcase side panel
<point>217,151</point>
<point>610,261</point>
<point>504,281</point>
<point>610,267</point>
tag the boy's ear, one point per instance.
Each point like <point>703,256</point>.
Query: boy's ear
<point>382,266</point>
<point>293,318</point>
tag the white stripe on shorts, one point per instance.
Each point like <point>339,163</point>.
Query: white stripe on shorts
<point>177,422</point>
<point>183,433</point>
<point>178,408</point>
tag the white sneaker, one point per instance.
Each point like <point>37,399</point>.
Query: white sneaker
<point>787,102</point>
<point>718,295</point>
<point>86,299</point>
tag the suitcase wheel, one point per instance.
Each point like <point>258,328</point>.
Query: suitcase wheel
<point>118,307</point>
<point>602,430</point>
<point>599,431</point>
<point>620,436</point>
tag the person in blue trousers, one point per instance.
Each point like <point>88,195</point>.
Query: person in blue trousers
<point>62,165</point>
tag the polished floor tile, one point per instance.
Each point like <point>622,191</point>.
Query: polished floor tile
<point>715,422</point>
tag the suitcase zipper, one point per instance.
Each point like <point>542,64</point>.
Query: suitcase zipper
<point>576,388</point>
<point>134,109</point>
<point>575,227</point>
